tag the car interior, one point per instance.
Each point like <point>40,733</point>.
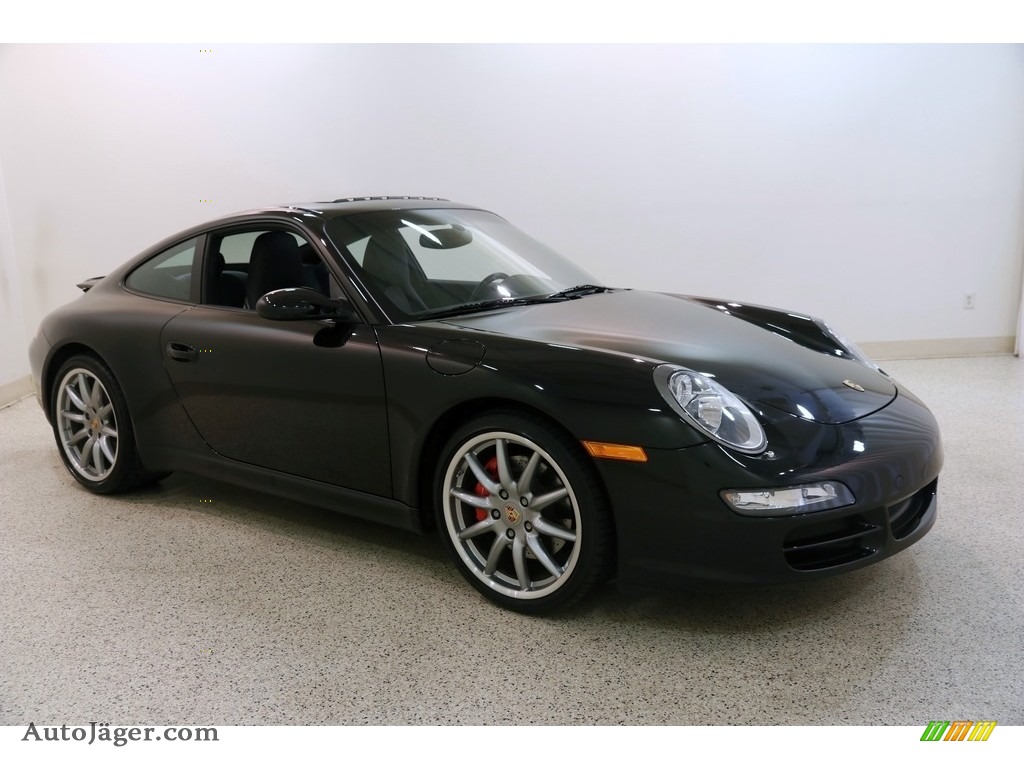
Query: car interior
<point>410,271</point>
<point>416,273</point>
<point>276,259</point>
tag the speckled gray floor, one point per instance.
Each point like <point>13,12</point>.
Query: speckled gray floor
<point>157,607</point>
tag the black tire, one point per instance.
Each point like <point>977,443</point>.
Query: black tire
<point>93,429</point>
<point>538,536</point>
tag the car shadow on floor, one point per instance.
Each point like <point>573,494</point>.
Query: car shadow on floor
<point>320,527</point>
<point>885,588</point>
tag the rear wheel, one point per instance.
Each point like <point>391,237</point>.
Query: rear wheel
<point>92,427</point>
<point>522,513</point>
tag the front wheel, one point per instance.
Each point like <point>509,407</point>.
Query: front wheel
<point>522,513</point>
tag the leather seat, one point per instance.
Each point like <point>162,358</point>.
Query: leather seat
<point>314,273</point>
<point>228,286</point>
<point>275,263</point>
<point>389,271</point>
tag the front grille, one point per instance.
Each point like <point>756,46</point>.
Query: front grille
<point>826,545</point>
<point>817,546</point>
<point>905,516</point>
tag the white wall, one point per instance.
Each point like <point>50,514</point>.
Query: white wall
<point>873,185</point>
<point>13,362</point>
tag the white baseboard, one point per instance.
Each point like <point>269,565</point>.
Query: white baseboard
<point>15,390</point>
<point>924,348</point>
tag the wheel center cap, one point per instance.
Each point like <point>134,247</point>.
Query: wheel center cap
<point>512,514</point>
<point>95,424</point>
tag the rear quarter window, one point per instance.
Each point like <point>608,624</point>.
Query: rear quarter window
<point>168,275</point>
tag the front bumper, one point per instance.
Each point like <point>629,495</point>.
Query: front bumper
<point>675,532</point>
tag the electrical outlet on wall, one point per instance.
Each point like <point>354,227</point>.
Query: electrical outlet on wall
<point>969,300</point>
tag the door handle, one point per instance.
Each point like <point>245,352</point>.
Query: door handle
<point>183,353</point>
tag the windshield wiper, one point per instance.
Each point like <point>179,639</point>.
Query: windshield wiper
<point>578,290</point>
<point>483,306</point>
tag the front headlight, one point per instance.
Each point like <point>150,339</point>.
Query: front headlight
<point>710,407</point>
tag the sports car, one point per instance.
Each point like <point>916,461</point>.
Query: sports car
<point>426,364</point>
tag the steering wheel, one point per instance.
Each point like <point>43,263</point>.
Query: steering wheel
<point>482,285</point>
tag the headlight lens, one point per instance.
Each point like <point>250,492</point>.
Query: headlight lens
<point>710,407</point>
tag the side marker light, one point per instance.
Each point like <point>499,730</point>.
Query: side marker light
<point>615,451</point>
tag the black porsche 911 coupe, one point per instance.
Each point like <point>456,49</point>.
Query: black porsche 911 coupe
<point>425,364</point>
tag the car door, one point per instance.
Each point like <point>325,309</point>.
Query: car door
<point>302,397</point>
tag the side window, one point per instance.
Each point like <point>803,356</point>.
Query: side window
<point>245,265</point>
<point>168,275</point>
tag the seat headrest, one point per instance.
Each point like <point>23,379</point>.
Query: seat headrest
<point>275,263</point>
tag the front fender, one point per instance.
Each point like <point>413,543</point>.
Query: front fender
<point>593,395</point>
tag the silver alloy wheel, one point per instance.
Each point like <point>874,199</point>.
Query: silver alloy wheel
<point>86,424</point>
<point>512,515</point>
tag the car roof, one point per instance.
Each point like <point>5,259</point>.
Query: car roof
<point>382,203</point>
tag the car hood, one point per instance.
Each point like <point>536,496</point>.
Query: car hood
<point>762,367</point>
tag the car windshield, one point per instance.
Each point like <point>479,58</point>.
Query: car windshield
<point>436,262</point>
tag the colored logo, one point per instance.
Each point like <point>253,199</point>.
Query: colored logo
<point>958,730</point>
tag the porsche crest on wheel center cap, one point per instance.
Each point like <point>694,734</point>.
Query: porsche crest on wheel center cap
<point>511,514</point>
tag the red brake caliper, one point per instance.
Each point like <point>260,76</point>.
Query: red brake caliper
<point>491,467</point>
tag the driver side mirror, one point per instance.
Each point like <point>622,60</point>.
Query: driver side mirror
<point>303,304</point>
